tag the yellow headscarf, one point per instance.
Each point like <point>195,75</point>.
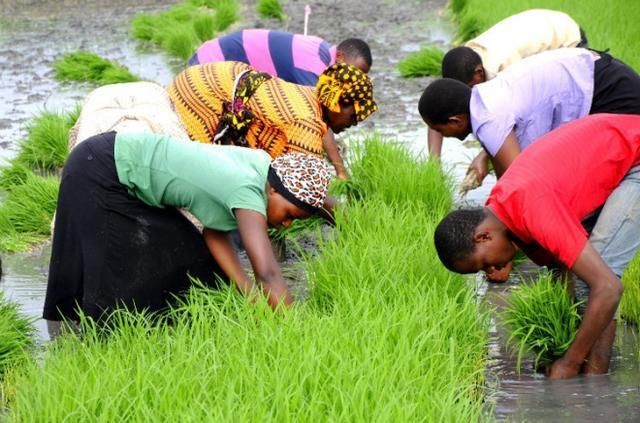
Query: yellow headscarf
<point>347,84</point>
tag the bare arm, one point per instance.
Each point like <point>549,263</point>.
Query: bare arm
<point>604,296</point>
<point>253,232</point>
<point>434,143</point>
<point>480,165</point>
<point>222,249</point>
<point>507,153</point>
<point>331,148</point>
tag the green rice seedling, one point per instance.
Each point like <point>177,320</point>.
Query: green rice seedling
<point>426,62</point>
<point>227,12</point>
<point>46,145</point>
<point>542,318</point>
<point>180,41</point>
<point>469,26</point>
<point>297,228</point>
<point>204,27</point>
<point>14,174</point>
<point>630,303</point>
<point>387,335</point>
<point>386,169</point>
<point>88,67</point>
<point>457,6</point>
<point>17,336</point>
<point>271,9</point>
<point>179,30</point>
<point>29,207</point>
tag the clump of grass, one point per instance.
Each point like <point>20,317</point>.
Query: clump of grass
<point>88,67</point>
<point>542,318</point>
<point>181,29</point>
<point>46,145</point>
<point>17,336</point>
<point>297,228</point>
<point>227,12</point>
<point>401,339</point>
<point>426,62</point>
<point>379,168</point>
<point>469,26</point>
<point>630,303</point>
<point>271,9</point>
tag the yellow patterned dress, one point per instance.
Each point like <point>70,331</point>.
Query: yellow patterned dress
<point>286,117</point>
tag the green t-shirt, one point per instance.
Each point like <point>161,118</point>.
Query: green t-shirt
<point>208,180</point>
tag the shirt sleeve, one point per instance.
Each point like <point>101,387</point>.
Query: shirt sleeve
<point>249,198</point>
<point>490,128</point>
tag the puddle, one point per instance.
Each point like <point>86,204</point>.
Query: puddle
<point>36,32</point>
<point>532,397</point>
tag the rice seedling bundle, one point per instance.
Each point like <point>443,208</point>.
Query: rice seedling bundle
<point>271,9</point>
<point>542,319</point>
<point>181,29</point>
<point>88,67</point>
<point>17,336</point>
<point>426,62</point>
<point>612,28</point>
<point>46,146</point>
<point>629,308</point>
<point>387,335</point>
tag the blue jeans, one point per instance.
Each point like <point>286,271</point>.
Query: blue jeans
<point>616,234</point>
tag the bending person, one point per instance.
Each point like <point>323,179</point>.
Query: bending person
<point>296,58</point>
<point>231,103</point>
<point>538,204</point>
<point>529,99</point>
<point>120,240</point>
<point>505,43</point>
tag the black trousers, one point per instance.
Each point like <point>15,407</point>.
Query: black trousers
<point>111,249</point>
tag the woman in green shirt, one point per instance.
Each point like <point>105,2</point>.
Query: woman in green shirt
<point>119,238</point>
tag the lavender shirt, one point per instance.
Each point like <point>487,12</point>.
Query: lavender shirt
<point>533,96</point>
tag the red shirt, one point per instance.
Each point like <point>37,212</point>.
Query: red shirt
<point>561,178</point>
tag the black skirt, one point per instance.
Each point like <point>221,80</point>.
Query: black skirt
<point>111,249</point>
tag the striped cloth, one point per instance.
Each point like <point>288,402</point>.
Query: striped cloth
<point>296,58</point>
<point>287,117</point>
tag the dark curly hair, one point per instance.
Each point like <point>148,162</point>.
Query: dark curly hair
<point>453,237</point>
<point>443,99</point>
<point>460,64</point>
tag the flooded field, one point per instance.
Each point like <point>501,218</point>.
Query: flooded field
<point>34,33</point>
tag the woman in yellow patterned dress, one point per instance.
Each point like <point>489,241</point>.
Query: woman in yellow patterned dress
<point>231,103</point>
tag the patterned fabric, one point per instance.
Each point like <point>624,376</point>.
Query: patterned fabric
<point>301,179</point>
<point>345,84</point>
<point>237,118</point>
<point>286,117</point>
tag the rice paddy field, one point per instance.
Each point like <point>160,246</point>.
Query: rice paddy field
<point>382,332</point>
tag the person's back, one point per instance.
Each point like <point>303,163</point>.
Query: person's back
<point>522,35</point>
<point>295,58</point>
<point>285,116</point>
<point>533,97</point>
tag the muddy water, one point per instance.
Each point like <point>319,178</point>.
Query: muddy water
<point>33,33</point>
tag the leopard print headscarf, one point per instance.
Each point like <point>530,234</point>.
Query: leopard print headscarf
<point>347,84</point>
<point>302,179</point>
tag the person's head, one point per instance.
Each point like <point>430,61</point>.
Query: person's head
<point>470,240</point>
<point>297,187</point>
<point>464,65</point>
<point>346,96</point>
<point>444,106</point>
<point>354,52</point>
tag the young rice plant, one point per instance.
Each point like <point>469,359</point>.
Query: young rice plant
<point>88,67</point>
<point>426,62</point>
<point>271,9</point>
<point>542,318</point>
<point>630,303</point>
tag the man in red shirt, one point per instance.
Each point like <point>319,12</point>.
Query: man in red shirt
<point>538,204</point>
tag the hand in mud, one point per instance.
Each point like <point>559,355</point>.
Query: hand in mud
<point>480,165</point>
<point>500,276</point>
<point>563,368</point>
